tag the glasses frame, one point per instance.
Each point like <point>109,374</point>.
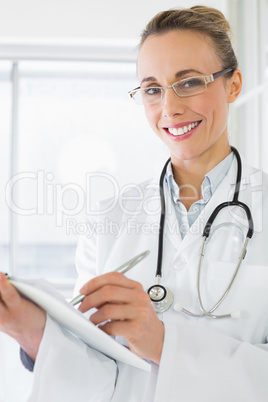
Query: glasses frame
<point>207,78</point>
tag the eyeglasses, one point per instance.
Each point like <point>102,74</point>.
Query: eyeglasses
<point>187,87</point>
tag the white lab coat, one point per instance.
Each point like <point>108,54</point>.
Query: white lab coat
<point>203,359</point>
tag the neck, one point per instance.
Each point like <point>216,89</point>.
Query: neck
<point>189,174</point>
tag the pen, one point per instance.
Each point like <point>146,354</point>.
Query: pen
<point>122,269</point>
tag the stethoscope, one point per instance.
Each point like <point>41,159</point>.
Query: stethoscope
<point>161,296</point>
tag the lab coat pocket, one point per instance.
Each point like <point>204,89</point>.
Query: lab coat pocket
<point>247,296</point>
<point>255,275</point>
<point>248,293</point>
<point>248,275</point>
<point>251,282</point>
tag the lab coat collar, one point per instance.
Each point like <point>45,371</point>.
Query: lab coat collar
<point>223,193</point>
<point>171,226</point>
<point>247,171</point>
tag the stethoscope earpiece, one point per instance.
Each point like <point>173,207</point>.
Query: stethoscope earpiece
<point>236,314</point>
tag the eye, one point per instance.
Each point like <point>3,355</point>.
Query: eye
<point>151,91</point>
<point>192,83</point>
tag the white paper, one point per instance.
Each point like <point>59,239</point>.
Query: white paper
<point>44,294</point>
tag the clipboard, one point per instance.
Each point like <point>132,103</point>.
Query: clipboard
<point>44,295</point>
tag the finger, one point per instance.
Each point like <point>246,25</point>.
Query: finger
<point>113,312</point>
<point>110,294</point>
<point>116,328</point>
<point>144,340</point>
<point>130,330</point>
<point>9,295</point>
<point>111,278</point>
<point>140,308</point>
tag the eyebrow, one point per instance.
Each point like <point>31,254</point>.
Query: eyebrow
<point>184,72</point>
<point>178,75</point>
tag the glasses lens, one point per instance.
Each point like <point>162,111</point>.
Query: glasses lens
<point>137,96</point>
<point>151,94</point>
<point>147,95</point>
<point>190,86</point>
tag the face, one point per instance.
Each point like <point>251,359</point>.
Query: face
<point>167,58</point>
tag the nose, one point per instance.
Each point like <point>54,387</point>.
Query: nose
<point>172,103</point>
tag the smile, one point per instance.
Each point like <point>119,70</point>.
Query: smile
<point>182,130</point>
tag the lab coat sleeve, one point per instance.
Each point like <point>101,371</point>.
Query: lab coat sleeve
<point>85,260</point>
<point>198,364</point>
<point>66,369</point>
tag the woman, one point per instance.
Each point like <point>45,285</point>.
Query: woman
<point>193,357</point>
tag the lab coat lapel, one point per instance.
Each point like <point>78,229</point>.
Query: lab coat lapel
<point>172,230</point>
<point>223,193</point>
<point>171,226</point>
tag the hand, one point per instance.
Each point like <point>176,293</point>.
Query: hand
<point>129,310</point>
<point>20,318</point>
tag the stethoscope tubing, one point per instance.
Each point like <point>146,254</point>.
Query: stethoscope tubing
<point>206,232</point>
<point>227,290</point>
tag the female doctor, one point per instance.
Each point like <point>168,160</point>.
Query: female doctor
<point>207,339</point>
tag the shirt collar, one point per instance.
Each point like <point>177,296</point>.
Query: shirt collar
<point>210,183</point>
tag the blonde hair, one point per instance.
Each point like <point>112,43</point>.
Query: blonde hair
<point>206,20</point>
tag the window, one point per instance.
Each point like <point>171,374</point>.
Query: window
<point>5,129</point>
<point>76,129</point>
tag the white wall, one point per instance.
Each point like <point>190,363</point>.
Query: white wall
<point>83,18</point>
<point>75,22</point>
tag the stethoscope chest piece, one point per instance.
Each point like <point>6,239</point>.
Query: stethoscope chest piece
<point>161,298</point>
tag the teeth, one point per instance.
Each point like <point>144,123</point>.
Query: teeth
<point>182,130</point>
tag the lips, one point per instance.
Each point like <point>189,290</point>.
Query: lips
<point>183,129</point>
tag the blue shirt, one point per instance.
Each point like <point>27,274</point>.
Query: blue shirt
<point>211,181</point>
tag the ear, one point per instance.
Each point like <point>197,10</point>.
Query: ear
<point>234,86</point>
